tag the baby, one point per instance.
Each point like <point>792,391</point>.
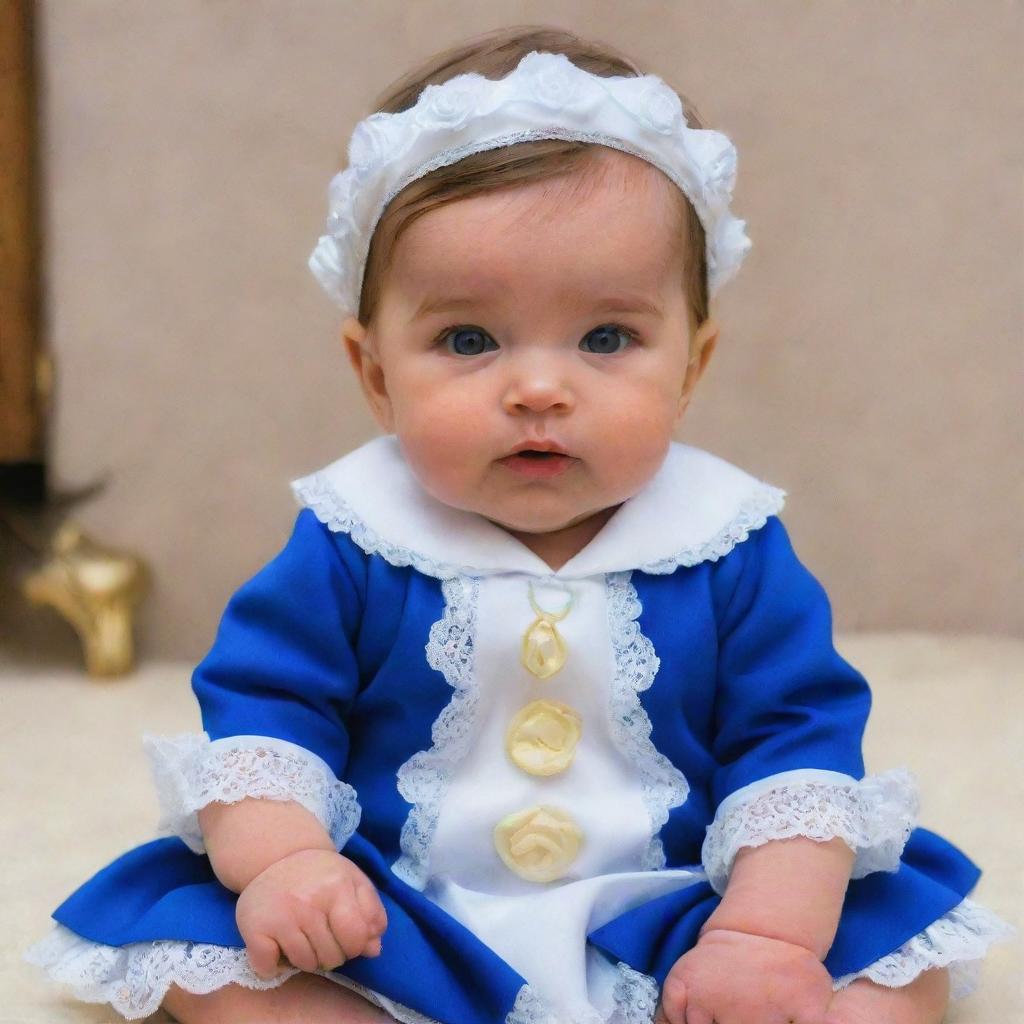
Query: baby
<point>536,716</point>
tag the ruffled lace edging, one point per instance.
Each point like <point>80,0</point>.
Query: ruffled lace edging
<point>663,785</point>
<point>424,778</point>
<point>191,771</point>
<point>134,979</point>
<point>316,493</point>
<point>957,940</point>
<point>752,514</point>
<point>873,816</point>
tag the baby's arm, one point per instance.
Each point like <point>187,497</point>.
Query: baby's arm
<point>788,889</point>
<point>244,838</point>
<point>759,955</point>
<point>262,791</point>
<point>795,818</point>
<point>299,897</point>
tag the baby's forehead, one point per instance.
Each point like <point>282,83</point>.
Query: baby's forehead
<point>613,230</point>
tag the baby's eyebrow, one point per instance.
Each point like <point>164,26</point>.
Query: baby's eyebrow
<point>609,304</point>
<point>441,305</point>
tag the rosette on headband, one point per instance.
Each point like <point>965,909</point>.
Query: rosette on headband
<point>546,96</point>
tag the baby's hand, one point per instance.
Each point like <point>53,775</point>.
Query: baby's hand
<point>315,907</point>
<point>735,978</point>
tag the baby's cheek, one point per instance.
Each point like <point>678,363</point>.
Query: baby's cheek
<point>636,437</point>
<point>439,458</point>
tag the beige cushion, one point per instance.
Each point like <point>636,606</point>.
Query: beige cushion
<point>949,708</point>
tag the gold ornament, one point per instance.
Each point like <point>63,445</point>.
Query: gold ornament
<point>538,844</point>
<point>541,739</point>
<point>97,589</point>
<point>543,650</point>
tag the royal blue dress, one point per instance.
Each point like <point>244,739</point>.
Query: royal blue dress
<point>546,775</point>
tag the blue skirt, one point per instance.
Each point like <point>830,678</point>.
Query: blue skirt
<point>434,965</point>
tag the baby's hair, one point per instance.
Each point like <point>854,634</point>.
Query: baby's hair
<point>493,55</point>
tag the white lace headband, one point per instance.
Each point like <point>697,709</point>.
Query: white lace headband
<point>545,97</point>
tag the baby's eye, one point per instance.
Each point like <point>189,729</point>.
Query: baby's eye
<point>466,341</point>
<point>606,339</point>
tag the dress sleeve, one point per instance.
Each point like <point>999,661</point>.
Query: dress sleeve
<point>789,719</point>
<point>274,693</point>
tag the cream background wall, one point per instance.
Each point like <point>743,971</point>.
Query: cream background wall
<point>871,357</point>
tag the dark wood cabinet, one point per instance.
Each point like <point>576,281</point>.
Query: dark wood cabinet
<point>24,368</point>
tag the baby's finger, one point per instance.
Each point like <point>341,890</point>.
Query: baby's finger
<point>673,1000</point>
<point>698,1015</point>
<point>264,954</point>
<point>348,926</point>
<point>329,953</point>
<point>373,909</point>
<point>297,948</point>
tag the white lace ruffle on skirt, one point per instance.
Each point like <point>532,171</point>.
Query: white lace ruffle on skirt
<point>191,771</point>
<point>134,979</point>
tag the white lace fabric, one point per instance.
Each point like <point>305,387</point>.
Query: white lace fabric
<point>752,514</point>
<point>134,978</point>
<point>316,493</point>
<point>957,940</point>
<point>663,785</point>
<point>873,816</point>
<point>191,771</point>
<point>423,780</point>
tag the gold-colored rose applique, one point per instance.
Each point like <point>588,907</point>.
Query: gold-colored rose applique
<point>543,649</point>
<point>541,739</point>
<point>538,844</point>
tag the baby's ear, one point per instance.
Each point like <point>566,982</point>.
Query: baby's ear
<point>368,369</point>
<point>703,344</point>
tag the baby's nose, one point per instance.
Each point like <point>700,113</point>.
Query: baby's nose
<point>539,388</point>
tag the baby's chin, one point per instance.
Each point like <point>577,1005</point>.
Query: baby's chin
<point>544,525</point>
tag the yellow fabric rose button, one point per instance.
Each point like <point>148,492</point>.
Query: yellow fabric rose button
<point>542,737</point>
<point>538,844</point>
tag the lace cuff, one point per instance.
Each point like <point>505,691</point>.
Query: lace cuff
<point>191,771</point>
<point>873,816</point>
<point>957,940</point>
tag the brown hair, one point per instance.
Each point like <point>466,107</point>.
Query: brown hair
<point>494,55</point>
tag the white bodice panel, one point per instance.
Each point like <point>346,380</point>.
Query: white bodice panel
<point>600,789</point>
<point>540,928</point>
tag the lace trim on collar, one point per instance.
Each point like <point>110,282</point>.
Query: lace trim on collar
<point>752,515</point>
<point>316,493</point>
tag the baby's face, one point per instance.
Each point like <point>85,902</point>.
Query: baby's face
<point>532,316</point>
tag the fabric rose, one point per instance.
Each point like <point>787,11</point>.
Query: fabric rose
<point>556,82</point>
<point>450,104</point>
<point>541,739</point>
<point>376,139</point>
<point>538,844</point>
<point>661,109</point>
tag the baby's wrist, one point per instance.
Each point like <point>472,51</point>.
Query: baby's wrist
<point>791,890</point>
<point>781,931</point>
<point>303,851</point>
<point>706,931</point>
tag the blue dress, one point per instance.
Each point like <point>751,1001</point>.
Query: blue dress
<point>546,774</point>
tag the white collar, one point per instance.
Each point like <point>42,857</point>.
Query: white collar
<point>696,507</point>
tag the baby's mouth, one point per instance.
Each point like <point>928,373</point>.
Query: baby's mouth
<point>533,462</point>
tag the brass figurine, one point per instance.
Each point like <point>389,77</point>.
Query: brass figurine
<point>96,589</point>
